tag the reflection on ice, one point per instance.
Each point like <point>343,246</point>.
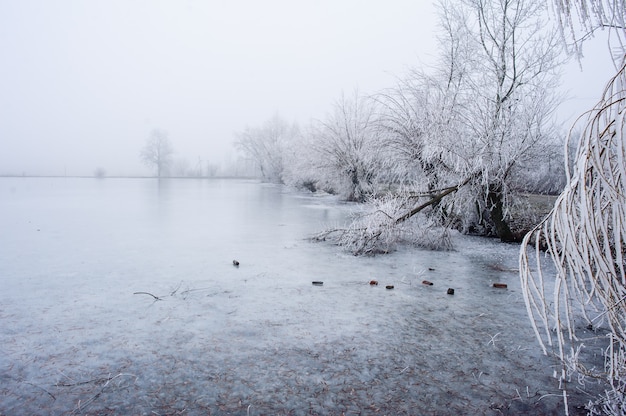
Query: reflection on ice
<point>121,296</point>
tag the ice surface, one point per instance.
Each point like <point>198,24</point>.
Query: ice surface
<point>78,335</point>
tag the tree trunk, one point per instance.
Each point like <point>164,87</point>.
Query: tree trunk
<point>496,212</point>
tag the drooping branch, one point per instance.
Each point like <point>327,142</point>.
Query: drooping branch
<point>585,234</point>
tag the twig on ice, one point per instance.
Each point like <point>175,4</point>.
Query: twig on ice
<point>493,339</point>
<point>39,387</point>
<point>146,293</point>
<point>100,380</point>
<point>177,287</point>
<point>81,406</point>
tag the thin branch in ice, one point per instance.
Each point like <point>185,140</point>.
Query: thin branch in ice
<point>493,339</point>
<point>146,293</point>
<point>177,287</point>
<point>39,387</point>
<point>81,406</point>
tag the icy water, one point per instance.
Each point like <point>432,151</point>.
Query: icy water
<point>119,296</point>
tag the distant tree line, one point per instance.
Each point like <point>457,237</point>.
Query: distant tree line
<point>158,154</point>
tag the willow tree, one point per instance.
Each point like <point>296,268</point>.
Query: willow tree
<point>454,136</point>
<point>266,146</point>
<point>585,233</point>
<point>510,97</point>
<point>342,147</point>
<point>481,113</point>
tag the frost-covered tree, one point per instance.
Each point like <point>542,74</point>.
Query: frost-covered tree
<point>585,234</point>
<point>410,119</point>
<point>458,139</point>
<point>418,114</point>
<point>158,152</point>
<point>508,96</point>
<point>266,146</point>
<point>301,167</point>
<point>483,114</point>
<point>343,147</point>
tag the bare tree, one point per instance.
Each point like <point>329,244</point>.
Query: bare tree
<point>585,234</point>
<point>158,152</point>
<point>421,112</point>
<point>412,116</point>
<point>455,138</point>
<point>266,145</point>
<point>482,114</point>
<point>344,147</point>
<point>509,97</point>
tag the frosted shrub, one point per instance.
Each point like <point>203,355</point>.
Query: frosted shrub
<point>374,230</point>
<point>382,224</point>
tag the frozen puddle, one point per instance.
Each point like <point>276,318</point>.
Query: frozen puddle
<point>78,335</point>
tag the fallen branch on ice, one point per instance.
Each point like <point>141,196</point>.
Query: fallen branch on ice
<point>377,231</point>
<point>146,293</point>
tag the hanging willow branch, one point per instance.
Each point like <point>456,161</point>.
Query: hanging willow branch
<point>585,235</point>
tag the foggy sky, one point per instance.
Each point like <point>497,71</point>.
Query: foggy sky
<point>82,83</point>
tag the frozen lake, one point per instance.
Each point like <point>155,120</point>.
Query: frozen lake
<point>76,336</point>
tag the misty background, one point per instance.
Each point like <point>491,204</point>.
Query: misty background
<point>82,84</point>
